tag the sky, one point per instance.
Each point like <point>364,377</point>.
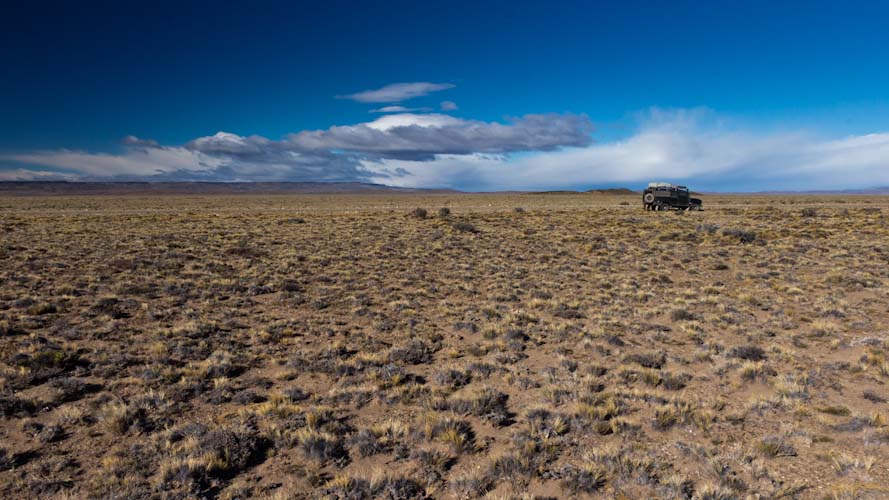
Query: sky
<point>479,96</point>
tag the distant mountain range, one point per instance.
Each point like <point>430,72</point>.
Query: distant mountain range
<point>589,191</point>
<point>61,188</point>
<point>873,190</point>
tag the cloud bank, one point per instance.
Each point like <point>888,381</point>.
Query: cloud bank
<point>339,153</point>
<point>533,152</point>
<point>690,146</point>
<point>135,162</point>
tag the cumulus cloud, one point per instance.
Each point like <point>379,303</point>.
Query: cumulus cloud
<point>412,136</point>
<point>448,106</point>
<point>397,92</point>
<point>430,120</point>
<point>227,143</point>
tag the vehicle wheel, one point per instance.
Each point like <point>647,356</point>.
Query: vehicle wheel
<point>648,198</point>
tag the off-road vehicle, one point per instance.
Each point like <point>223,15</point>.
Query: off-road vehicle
<point>666,196</point>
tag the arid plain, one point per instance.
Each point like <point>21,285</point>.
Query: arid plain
<point>496,346</point>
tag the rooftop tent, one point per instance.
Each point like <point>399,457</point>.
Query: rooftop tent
<point>665,185</point>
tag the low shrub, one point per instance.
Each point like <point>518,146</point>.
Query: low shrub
<point>742,235</point>
<point>775,446</point>
<point>464,227</point>
<point>748,352</point>
<point>583,479</point>
<point>488,403</point>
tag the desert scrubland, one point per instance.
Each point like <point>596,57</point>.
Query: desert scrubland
<point>494,346</point>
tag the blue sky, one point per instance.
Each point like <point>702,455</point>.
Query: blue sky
<point>540,95</point>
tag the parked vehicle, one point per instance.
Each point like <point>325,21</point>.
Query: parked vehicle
<point>666,196</point>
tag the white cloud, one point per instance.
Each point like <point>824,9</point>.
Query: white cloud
<point>397,92</point>
<point>670,145</point>
<point>432,120</point>
<point>419,136</point>
<point>448,106</point>
<point>228,143</point>
<point>134,162</point>
<point>23,174</point>
<point>398,109</point>
<point>535,152</point>
<point>133,141</point>
<point>334,154</point>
